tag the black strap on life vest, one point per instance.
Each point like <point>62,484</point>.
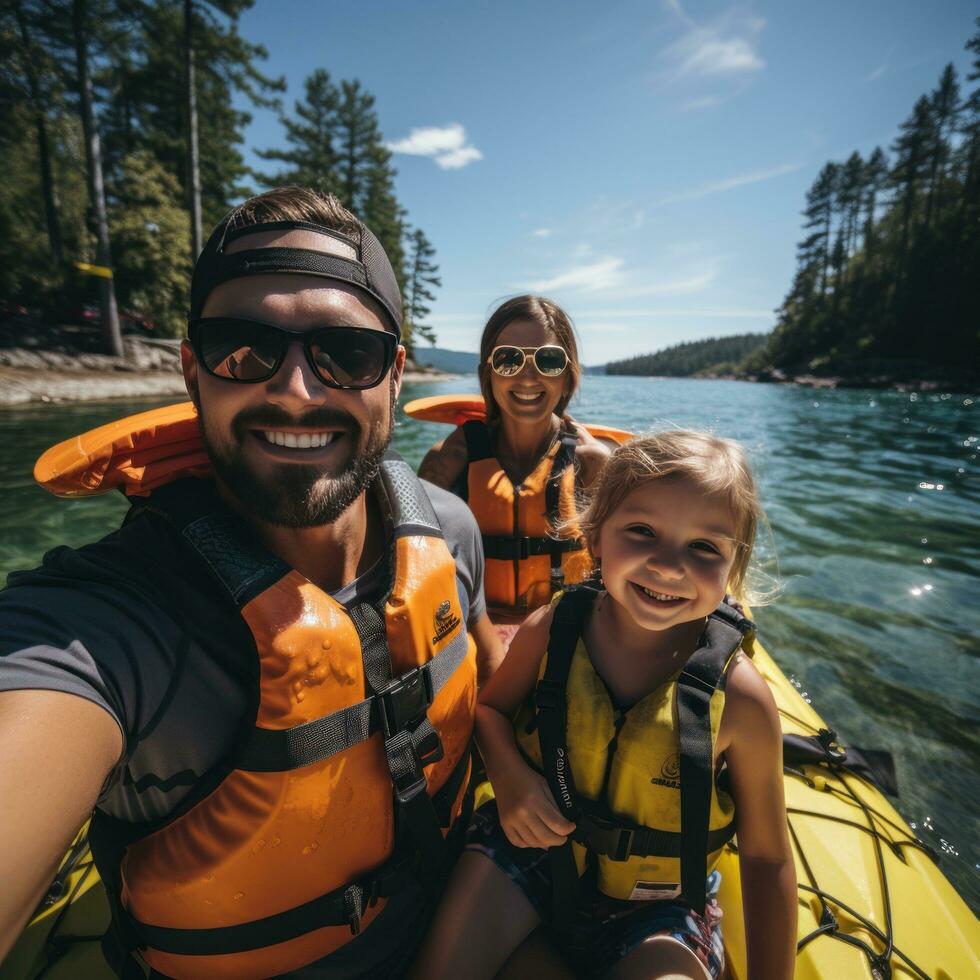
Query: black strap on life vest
<point>610,835</point>
<point>343,906</point>
<point>396,707</point>
<point>564,458</point>
<point>702,674</point>
<point>516,547</point>
<point>551,710</point>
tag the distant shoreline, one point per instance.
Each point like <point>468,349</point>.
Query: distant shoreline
<point>874,382</point>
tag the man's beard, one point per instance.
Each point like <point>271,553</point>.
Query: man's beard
<point>299,496</point>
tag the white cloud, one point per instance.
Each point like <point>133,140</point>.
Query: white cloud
<point>705,55</point>
<point>459,158</point>
<point>877,73</point>
<point>606,273</point>
<point>730,183</point>
<point>726,46</point>
<point>541,232</point>
<point>722,313</point>
<point>674,287</point>
<point>447,145</point>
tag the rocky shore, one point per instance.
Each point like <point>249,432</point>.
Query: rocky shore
<point>904,378</point>
<point>149,368</point>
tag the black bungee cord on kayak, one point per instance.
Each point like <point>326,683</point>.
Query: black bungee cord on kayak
<point>56,944</point>
<point>836,761</point>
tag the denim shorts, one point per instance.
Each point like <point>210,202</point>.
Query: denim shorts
<point>616,927</point>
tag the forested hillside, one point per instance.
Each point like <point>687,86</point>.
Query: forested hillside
<point>716,355</point>
<point>122,139</point>
<point>888,276</point>
<point>452,361</point>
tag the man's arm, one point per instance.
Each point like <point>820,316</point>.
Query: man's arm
<point>56,752</point>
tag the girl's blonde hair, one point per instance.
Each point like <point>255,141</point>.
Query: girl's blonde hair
<point>717,466</point>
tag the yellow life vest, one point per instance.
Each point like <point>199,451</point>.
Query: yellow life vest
<point>639,783</point>
<point>345,787</point>
<point>526,560</point>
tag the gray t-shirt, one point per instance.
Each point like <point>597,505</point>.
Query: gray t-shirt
<point>126,623</point>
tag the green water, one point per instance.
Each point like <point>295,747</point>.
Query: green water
<point>872,497</point>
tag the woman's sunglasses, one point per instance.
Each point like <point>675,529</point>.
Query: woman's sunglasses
<point>549,361</point>
<point>247,351</point>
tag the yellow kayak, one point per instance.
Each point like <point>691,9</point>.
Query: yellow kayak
<point>869,893</point>
<point>873,902</point>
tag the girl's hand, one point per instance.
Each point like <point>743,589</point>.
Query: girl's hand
<point>527,810</point>
<point>735,604</point>
<point>589,451</point>
<point>587,442</point>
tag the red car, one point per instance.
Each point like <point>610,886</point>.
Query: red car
<point>130,321</point>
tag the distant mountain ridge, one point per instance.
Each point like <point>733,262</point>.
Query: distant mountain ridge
<point>715,355</point>
<point>451,361</point>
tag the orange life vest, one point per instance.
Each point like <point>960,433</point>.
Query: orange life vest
<point>354,771</point>
<point>526,560</point>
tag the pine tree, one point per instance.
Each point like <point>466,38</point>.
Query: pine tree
<point>148,93</point>
<point>312,158</point>
<point>422,278</point>
<point>31,79</point>
<point>913,149</point>
<point>81,21</point>
<point>151,235</point>
<point>945,102</point>
<point>819,212</point>
<point>366,176</point>
<point>849,192</point>
<point>875,175</point>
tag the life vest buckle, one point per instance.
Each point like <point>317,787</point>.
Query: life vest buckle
<point>405,791</point>
<point>548,694</point>
<point>605,837</point>
<point>404,702</point>
<point>624,844</point>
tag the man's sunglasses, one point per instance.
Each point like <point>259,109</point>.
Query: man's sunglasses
<point>549,361</point>
<point>247,351</point>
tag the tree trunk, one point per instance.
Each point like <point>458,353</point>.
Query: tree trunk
<point>111,336</point>
<point>194,162</point>
<point>43,144</point>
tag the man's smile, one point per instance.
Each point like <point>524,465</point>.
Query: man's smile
<point>306,445</point>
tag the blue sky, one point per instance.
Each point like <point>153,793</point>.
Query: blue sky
<point>642,163</point>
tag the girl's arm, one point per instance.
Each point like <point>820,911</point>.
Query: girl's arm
<point>528,814</point>
<point>754,754</point>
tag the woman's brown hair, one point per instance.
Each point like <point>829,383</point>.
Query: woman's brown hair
<point>546,314</point>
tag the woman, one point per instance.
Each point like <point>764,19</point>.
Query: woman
<point>520,469</point>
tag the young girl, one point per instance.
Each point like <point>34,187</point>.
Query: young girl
<point>629,696</point>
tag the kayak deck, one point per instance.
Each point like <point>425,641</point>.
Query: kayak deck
<point>869,891</point>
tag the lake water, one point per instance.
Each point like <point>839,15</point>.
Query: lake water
<point>872,497</point>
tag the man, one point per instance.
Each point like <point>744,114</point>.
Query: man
<point>262,683</point>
